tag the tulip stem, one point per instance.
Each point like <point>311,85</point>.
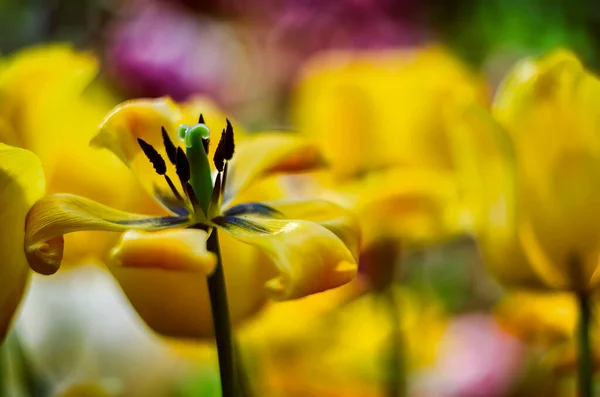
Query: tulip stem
<point>222,324</point>
<point>396,386</point>
<point>3,368</point>
<point>585,354</point>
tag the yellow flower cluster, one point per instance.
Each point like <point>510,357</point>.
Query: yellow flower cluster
<point>400,149</point>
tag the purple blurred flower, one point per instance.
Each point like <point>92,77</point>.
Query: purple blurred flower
<point>250,55</point>
<point>292,31</point>
<point>312,25</point>
<point>159,49</point>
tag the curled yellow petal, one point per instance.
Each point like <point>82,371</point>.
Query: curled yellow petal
<point>333,217</point>
<point>308,257</point>
<point>137,118</point>
<point>179,250</point>
<point>21,184</point>
<point>55,215</point>
<point>267,153</point>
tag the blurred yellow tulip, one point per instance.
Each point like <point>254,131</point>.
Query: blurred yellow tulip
<point>533,165</point>
<point>50,105</point>
<point>381,122</point>
<point>49,110</point>
<point>372,110</point>
<point>549,108</point>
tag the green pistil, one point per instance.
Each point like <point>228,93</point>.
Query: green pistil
<point>201,179</point>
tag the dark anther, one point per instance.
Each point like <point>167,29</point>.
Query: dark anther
<point>219,157</point>
<point>201,119</point>
<point>155,158</point>
<point>229,143</point>
<point>169,146</point>
<point>182,166</point>
<point>206,144</point>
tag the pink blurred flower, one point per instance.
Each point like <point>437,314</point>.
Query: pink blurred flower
<point>476,359</point>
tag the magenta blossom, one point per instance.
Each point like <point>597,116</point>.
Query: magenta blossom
<point>157,48</point>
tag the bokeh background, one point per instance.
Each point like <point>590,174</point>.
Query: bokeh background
<point>425,317</point>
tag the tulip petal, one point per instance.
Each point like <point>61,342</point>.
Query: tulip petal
<point>172,296</point>
<point>21,184</point>
<point>309,257</point>
<point>55,215</point>
<point>279,152</point>
<point>178,250</point>
<point>141,118</point>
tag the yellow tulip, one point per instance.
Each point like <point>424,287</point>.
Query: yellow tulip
<point>312,245</point>
<point>533,166</point>
<point>47,107</point>
<point>380,120</point>
<point>557,174</point>
<point>22,184</point>
<point>50,106</point>
<point>379,109</point>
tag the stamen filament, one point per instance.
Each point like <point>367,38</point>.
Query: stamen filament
<point>194,200</point>
<point>222,192</point>
<point>173,188</point>
<point>215,202</point>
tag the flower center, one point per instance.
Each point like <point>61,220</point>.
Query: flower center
<point>192,166</point>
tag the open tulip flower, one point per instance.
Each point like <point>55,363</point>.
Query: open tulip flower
<point>312,245</point>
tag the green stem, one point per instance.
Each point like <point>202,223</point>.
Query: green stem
<point>395,385</point>
<point>585,354</point>
<point>222,326</point>
<point>3,375</point>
